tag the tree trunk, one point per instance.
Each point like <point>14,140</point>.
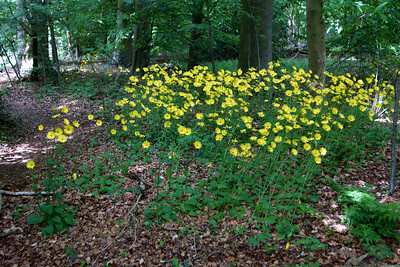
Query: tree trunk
<point>394,138</point>
<point>20,36</point>
<point>125,52</point>
<point>316,39</point>
<point>142,38</point>
<point>266,13</point>
<point>196,33</point>
<point>40,42</point>
<point>55,53</point>
<point>255,48</point>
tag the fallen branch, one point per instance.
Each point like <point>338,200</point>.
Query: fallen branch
<point>10,231</point>
<point>25,193</point>
<point>16,194</point>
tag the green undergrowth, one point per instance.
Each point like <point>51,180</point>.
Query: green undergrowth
<point>230,146</point>
<point>371,221</point>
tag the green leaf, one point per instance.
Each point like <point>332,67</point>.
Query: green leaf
<point>253,242</point>
<point>56,219</point>
<point>125,168</point>
<point>69,219</point>
<point>35,219</point>
<point>49,230</point>
<point>169,173</point>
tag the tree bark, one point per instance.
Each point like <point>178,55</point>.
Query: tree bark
<point>142,38</point>
<point>40,42</point>
<point>195,35</point>
<point>316,39</point>
<point>255,47</point>
<point>125,52</point>
<point>55,53</point>
<point>394,137</point>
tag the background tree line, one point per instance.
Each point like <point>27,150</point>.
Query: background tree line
<point>133,34</point>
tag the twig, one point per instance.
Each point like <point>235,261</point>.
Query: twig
<point>127,224</point>
<point>10,231</point>
<point>26,193</point>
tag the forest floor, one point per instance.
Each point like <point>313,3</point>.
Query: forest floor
<point>110,228</point>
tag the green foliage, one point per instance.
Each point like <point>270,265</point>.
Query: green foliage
<point>370,220</point>
<point>70,252</point>
<point>57,218</point>
<point>310,243</point>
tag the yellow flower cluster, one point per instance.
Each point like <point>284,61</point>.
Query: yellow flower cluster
<point>237,108</point>
<point>60,134</point>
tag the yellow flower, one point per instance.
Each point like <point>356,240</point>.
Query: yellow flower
<point>167,124</point>
<point>51,135</point>
<point>90,117</point>
<point>55,116</point>
<point>317,136</point>
<point>287,245</point>
<point>74,176</point>
<point>117,117</point>
<point>58,131</point>
<point>351,118</point>
<point>68,129</point>
<point>30,164</point>
<point>197,144</point>
<point>261,141</point>
<point>99,122</point>
<point>220,121</point>
<point>113,131</point>
<point>323,151</point>
<point>278,139</point>
<point>167,116</point>
<point>199,116</point>
<point>75,124</point>
<point>62,138</point>
<point>307,146</point>
<point>64,109</point>
<point>101,107</point>
<point>145,144</point>
<point>125,128</point>
<point>315,153</point>
<point>188,131</point>
<point>234,151</point>
<point>66,122</point>
<point>326,127</point>
<point>40,127</point>
<point>294,152</point>
<point>317,160</point>
<point>219,137</point>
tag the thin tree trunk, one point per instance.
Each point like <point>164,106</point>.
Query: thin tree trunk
<point>316,39</point>
<point>5,68</point>
<point>210,38</point>
<point>55,53</point>
<point>12,65</point>
<point>394,137</point>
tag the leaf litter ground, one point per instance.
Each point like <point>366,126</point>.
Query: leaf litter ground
<point>111,228</point>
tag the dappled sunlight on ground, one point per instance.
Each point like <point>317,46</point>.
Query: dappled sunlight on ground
<point>20,153</point>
